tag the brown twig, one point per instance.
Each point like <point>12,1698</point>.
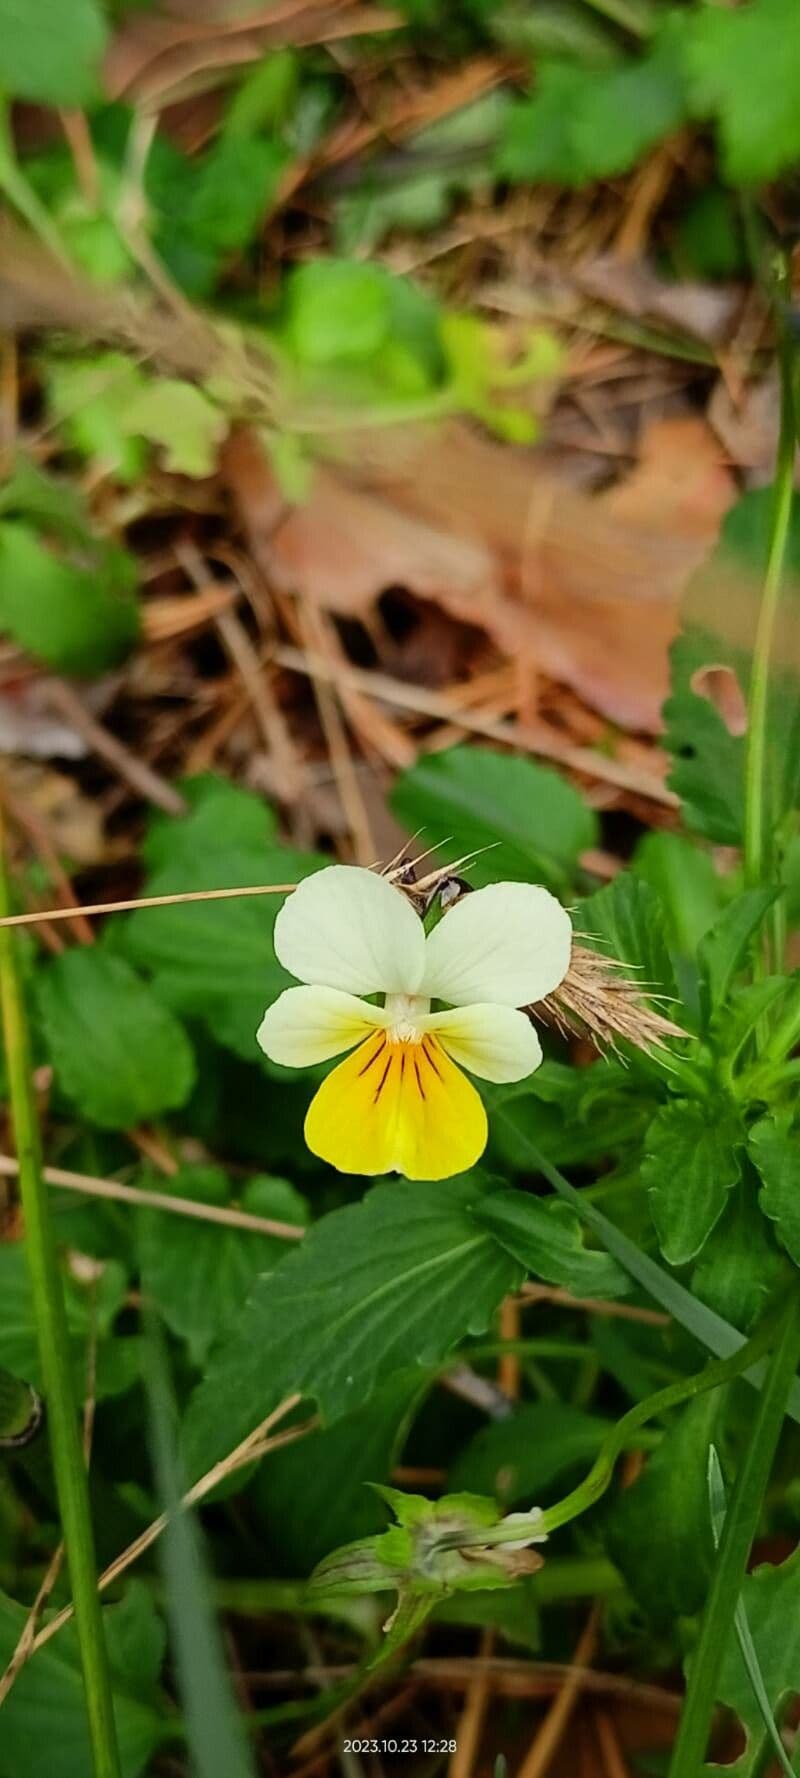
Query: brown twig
<point>473,1715</point>
<point>134,771</point>
<point>147,1200</point>
<point>543,1293</point>
<point>543,742</point>
<point>90,911</point>
<point>551,1731</point>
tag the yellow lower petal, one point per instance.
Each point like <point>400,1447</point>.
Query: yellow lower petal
<point>397,1107</point>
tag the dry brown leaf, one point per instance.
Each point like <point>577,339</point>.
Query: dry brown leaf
<point>153,58</point>
<point>706,311</point>
<point>587,589</point>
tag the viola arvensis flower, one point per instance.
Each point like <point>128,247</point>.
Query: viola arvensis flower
<point>400,1101</point>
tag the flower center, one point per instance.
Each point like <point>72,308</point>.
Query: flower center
<point>405,1012</point>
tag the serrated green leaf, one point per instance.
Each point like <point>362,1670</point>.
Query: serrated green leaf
<point>215,960</point>
<point>775,1151</point>
<point>117,1052</point>
<point>535,823</point>
<point>747,1648</point>
<point>743,67</point>
<point>770,1597</point>
<point>691,1162</point>
<point>51,53</point>
<point>44,1715</point>
<point>726,947</point>
<point>657,1531</point>
<point>199,1274</point>
<point>181,419</point>
<point>375,1287</point>
<point>90,400</point>
<point>546,1238</point>
<point>518,1459</point>
<point>77,611</point>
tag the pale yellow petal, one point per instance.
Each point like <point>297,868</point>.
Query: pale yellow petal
<point>397,1107</point>
<point>495,1042</point>
<point>307,1025</point>
<point>509,943</point>
<point>348,928</point>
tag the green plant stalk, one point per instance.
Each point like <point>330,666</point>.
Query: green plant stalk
<point>53,1340</point>
<point>756,811</point>
<point>593,1486</point>
<point>741,1524</point>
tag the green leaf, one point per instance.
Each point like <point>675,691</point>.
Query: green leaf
<point>718,1506</point>
<point>575,1114</point>
<point>311,1496</point>
<point>199,1274</point>
<point>21,1411</point>
<point>341,312</point>
<point>55,505</point>
<point>587,123</point>
<point>117,1052</point>
<point>546,1238</point>
<point>691,1163</point>
<point>518,1459</point>
<point>215,960</point>
<point>744,69</point>
<point>336,309</point>
<point>775,1151</point>
<point>90,400</point>
<point>78,611</point>
<point>180,418</point>
<point>684,878</point>
<point>44,1715</point>
<point>221,817</point>
<point>720,616</point>
<point>536,824</point>
<point>771,1601</point>
<point>393,1281</point>
<point>726,947</point>
<point>709,1329</point>
<point>625,920</point>
<point>90,1310</point>
<point>50,52</point>
<point>740,1266</point>
<point>657,1532</point>
<point>233,189</point>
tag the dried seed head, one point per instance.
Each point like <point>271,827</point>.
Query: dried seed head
<point>598,999</point>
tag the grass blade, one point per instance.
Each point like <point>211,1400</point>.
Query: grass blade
<point>216,1739</point>
<point>710,1329</point>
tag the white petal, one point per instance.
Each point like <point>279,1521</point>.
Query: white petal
<point>306,1025</point>
<point>509,943</point>
<point>348,928</point>
<point>494,1042</point>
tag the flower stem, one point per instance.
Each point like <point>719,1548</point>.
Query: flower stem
<point>757,815</point>
<point>54,1354</point>
<point>741,1524</point>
